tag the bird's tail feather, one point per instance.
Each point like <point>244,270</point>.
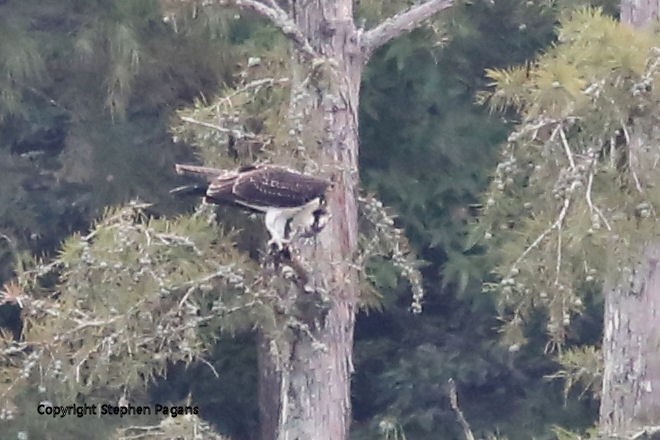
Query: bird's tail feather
<point>208,172</point>
<point>190,190</point>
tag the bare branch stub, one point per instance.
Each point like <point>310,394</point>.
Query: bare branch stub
<point>401,23</point>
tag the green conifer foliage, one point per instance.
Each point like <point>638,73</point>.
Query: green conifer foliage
<point>573,197</point>
<point>122,302</point>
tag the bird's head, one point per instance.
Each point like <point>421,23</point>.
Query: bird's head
<point>321,218</point>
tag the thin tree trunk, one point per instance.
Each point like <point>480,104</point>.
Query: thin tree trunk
<point>630,398</point>
<point>313,401</point>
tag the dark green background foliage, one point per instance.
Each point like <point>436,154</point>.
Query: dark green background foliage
<point>88,91</point>
<point>84,105</point>
<point>427,150</point>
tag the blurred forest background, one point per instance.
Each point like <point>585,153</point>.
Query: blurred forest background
<point>89,94</point>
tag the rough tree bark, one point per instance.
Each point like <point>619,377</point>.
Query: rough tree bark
<point>313,381</point>
<point>631,382</point>
<point>639,12</point>
<point>307,395</point>
<point>630,399</point>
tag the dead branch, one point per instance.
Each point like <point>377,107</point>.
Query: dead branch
<point>276,16</point>
<point>401,23</point>
<point>453,401</point>
<point>232,131</point>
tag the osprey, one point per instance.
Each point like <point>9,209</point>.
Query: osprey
<point>294,203</point>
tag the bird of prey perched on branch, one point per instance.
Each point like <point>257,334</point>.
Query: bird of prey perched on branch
<point>294,203</point>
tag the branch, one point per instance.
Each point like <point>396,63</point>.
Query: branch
<point>646,432</point>
<point>556,225</point>
<point>632,158</point>
<point>592,207</point>
<point>567,149</point>
<point>277,17</point>
<point>401,23</point>
<point>208,364</point>
<point>256,84</point>
<point>453,401</point>
<point>234,132</point>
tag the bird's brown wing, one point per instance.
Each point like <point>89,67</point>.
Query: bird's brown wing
<point>277,187</point>
<point>221,189</point>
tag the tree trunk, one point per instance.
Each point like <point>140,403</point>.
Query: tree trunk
<point>307,394</point>
<point>631,347</point>
<point>630,398</point>
<point>639,12</point>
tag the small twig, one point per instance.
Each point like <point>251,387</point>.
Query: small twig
<point>535,243</point>
<point>595,88</point>
<point>96,323</point>
<point>48,99</point>
<point>592,207</point>
<point>10,242</point>
<point>255,84</point>
<point>236,133</point>
<point>190,290</point>
<point>170,239</point>
<point>223,272</point>
<point>631,159</point>
<point>86,358</point>
<point>558,268</point>
<point>208,364</point>
<point>453,401</point>
<point>564,141</point>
